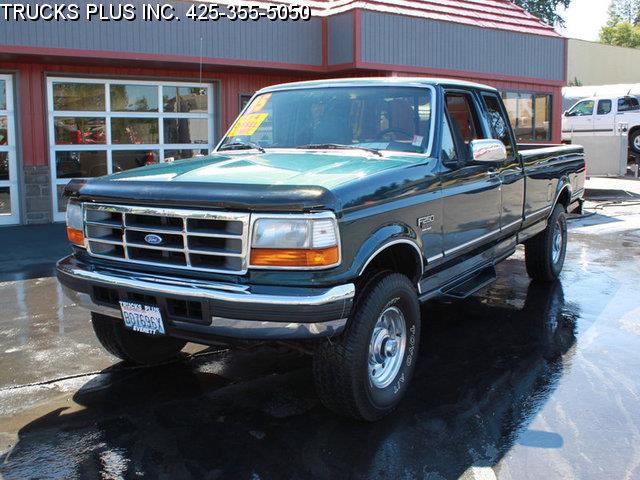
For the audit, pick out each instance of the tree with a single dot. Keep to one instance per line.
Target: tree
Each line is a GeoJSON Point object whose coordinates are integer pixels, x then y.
{"type": "Point", "coordinates": [622, 11]}
{"type": "Point", "coordinates": [545, 10]}
{"type": "Point", "coordinates": [623, 27]}
{"type": "Point", "coordinates": [622, 34]}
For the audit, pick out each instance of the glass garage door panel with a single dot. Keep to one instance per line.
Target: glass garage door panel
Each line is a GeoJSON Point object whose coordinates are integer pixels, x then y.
{"type": "Point", "coordinates": [103, 126]}
{"type": "Point", "coordinates": [8, 174]}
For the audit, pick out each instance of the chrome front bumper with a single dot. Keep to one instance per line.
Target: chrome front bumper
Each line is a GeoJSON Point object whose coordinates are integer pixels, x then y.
{"type": "Point", "coordinates": [235, 311]}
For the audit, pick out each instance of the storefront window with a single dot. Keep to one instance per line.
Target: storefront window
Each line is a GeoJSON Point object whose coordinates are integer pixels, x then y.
{"type": "Point", "coordinates": [118, 125]}
{"type": "Point", "coordinates": [184, 99]}
{"type": "Point", "coordinates": [135, 131]}
{"type": "Point", "coordinates": [79, 97]}
{"type": "Point", "coordinates": [81, 164]}
{"type": "Point", "coordinates": [182, 154]}
{"type": "Point", "coordinates": [4, 133]}
{"type": "Point", "coordinates": [185, 130]}
{"type": "Point", "coordinates": [79, 130]}
{"type": "Point", "coordinates": [5, 200]}
{"type": "Point", "coordinates": [530, 115]}
{"type": "Point", "coordinates": [134, 98]}
{"type": "Point", "coordinates": [128, 159]}
{"type": "Point", "coordinates": [4, 166]}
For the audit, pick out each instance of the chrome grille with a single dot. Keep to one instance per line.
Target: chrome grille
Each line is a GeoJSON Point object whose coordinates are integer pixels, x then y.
{"type": "Point", "coordinates": [188, 239]}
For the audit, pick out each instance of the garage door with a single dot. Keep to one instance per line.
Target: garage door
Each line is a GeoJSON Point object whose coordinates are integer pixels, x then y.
{"type": "Point", "coordinates": [99, 126]}
{"type": "Point", "coordinates": [8, 171]}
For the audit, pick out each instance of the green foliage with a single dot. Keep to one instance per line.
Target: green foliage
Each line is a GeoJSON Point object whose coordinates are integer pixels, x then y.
{"type": "Point", "coordinates": [575, 82]}
{"type": "Point", "coordinates": [623, 27]}
{"type": "Point", "coordinates": [622, 34]}
{"type": "Point", "coordinates": [545, 10]}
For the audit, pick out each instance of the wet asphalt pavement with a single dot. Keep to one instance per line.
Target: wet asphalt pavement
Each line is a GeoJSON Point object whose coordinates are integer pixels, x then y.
{"type": "Point", "coordinates": [520, 381]}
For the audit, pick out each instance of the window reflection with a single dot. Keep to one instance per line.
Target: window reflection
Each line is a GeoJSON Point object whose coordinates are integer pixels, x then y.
{"type": "Point", "coordinates": [3, 95]}
{"type": "Point", "coordinates": [4, 166]}
{"type": "Point", "coordinates": [81, 164]}
{"type": "Point", "coordinates": [79, 130]}
{"type": "Point", "coordinates": [183, 154]}
{"type": "Point", "coordinates": [185, 99]}
{"type": "Point", "coordinates": [128, 159]}
{"type": "Point", "coordinates": [134, 130]}
{"type": "Point", "coordinates": [80, 97]}
{"type": "Point", "coordinates": [5, 201]}
{"type": "Point", "coordinates": [134, 98]}
{"type": "Point", "coordinates": [4, 132]}
{"type": "Point", "coordinates": [186, 130]}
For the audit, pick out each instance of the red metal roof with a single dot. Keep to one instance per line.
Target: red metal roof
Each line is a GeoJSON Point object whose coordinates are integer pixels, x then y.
{"type": "Point", "coordinates": [498, 14]}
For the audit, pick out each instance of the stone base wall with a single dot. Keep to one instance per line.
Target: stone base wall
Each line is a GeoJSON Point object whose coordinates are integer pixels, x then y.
{"type": "Point", "coordinates": [37, 195]}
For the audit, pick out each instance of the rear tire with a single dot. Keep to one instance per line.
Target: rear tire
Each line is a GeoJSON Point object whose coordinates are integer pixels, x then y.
{"type": "Point", "coordinates": [634, 141]}
{"type": "Point", "coordinates": [545, 253]}
{"type": "Point", "coordinates": [131, 346]}
{"type": "Point", "coordinates": [364, 373]}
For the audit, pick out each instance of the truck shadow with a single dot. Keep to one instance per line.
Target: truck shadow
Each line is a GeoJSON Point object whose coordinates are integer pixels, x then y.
{"type": "Point", "coordinates": [487, 366]}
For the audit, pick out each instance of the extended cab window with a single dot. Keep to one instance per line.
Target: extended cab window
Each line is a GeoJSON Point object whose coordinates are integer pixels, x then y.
{"type": "Point", "coordinates": [382, 118]}
{"type": "Point", "coordinates": [604, 107]}
{"type": "Point", "coordinates": [582, 109]}
{"type": "Point", "coordinates": [628, 104]}
{"type": "Point", "coordinates": [498, 121]}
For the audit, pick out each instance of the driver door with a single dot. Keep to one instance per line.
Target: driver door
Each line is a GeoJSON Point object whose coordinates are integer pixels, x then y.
{"type": "Point", "coordinates": [471, 191]}
{"type": "Point", "coordinates": [579, 120]}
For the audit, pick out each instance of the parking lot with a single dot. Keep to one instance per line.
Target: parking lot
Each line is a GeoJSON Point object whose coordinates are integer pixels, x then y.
{"type": "Point", "coordinates": [519, 381]}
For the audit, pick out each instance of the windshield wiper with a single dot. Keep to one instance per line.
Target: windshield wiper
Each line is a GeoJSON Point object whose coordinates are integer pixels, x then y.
{"type": "Point", "coordinates": [338, 146]}
{"type": "Point", "coordinates": [242, 146]}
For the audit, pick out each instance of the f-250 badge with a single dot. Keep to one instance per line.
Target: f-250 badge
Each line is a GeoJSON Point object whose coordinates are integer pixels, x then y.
{"type": "Point", "coordinates": [426, 223]}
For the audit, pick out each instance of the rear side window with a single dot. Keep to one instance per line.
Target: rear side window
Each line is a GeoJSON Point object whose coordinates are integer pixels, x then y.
{"type": "Point", "coordinates": [604, 107]}
{"type": "Point", "coordinates": [628, 104]}
{"type": "Point", "coordinates": [498, 121]}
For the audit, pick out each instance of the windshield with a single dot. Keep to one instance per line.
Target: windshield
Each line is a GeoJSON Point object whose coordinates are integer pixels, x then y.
{"type": "Point", "coordinates": [377, 118]}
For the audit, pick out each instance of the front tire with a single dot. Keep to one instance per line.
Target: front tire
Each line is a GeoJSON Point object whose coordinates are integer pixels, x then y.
{"type": "Point", "coordinates": [545, 253]}
{"type": "Point", "coordinates": [131, 346]}
{"type": "Point", "coordinates": [365, 373]}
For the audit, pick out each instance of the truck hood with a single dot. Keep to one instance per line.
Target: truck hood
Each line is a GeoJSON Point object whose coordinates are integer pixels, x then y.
{"type": "Point", "coordinates": [279, 180]}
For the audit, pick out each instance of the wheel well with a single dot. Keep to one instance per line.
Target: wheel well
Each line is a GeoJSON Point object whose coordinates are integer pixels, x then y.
{"type": "Point", "coordinates": [564, 198]}
{"type": "Point", "coordinates": [400, 258]}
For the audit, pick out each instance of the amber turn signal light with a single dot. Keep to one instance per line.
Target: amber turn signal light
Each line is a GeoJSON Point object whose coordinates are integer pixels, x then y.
{"type": "Point", "coordinates": [75, 236]}
{"type": "Point", "coordinates": [273, 257]}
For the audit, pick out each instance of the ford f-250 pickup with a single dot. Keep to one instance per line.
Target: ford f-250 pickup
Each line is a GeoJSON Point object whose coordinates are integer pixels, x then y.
{"type": "Point", "coordinates": [328, 212]}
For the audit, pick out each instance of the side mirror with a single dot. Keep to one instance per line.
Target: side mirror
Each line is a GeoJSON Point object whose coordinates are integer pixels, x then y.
{"type": "Point", "coordinates": [566, 113]}
{"type": "Point", "coordinates": [488, 151]}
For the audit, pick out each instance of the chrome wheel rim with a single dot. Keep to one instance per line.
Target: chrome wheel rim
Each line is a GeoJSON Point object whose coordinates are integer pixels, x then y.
{"type": "Point", "coordinates": [386, 347]}
{"type": "Point", "coordinates": [636, 142]}
{"type": "Point", "coordinates": [558, 239]}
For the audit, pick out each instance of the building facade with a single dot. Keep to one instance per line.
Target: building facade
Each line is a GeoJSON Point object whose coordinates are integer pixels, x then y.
{"type": "Point", "coordinates": [86, 98]}
{"type": "Point", "coordinates": [592, 63]}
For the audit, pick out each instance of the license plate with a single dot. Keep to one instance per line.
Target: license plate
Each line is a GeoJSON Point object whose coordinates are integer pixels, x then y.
{"type": "Point", "coordinates": [142, 318]}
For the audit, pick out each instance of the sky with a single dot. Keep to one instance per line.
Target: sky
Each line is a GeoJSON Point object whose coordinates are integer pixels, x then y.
{"type": "Point", "coordinates": [585, 18]}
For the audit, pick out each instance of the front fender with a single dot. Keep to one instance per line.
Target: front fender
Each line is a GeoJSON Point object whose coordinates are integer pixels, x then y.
{"type": "Point", "coordinates": [381, 239]}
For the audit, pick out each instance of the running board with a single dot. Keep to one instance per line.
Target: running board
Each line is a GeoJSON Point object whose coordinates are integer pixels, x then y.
{"type": "Point", "coordinates": [471, 285]}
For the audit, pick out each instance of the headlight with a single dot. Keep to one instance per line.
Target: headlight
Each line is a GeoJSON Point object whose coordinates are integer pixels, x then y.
{"type": "Point", "coordinates": [305, 241]}
{"type": "Point", "coordinates": [75, 232]}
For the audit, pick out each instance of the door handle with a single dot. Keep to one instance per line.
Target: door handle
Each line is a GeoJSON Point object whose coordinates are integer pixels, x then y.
{"type": "Point", "coordinates": [493, 172]}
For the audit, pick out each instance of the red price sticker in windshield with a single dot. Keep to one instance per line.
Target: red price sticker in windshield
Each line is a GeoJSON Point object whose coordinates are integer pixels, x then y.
{"type": "Point", "coordinates": [248, 124]}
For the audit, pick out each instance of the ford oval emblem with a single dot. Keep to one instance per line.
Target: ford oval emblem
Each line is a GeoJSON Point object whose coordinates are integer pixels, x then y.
{"type": "Point", "coordinates": [153, 239]}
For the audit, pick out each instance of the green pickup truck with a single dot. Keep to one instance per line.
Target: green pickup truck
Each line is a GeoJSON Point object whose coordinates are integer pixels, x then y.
{"type": "Point", "coordinates": [328, 212]}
